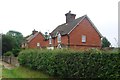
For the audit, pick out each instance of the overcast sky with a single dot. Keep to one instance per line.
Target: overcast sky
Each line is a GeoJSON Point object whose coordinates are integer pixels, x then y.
{"type": "Point", "coordinates": [46, 15]}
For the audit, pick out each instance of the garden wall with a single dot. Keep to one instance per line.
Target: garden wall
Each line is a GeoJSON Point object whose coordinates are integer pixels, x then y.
{"type": "Point", "coordinates": [11, 60]}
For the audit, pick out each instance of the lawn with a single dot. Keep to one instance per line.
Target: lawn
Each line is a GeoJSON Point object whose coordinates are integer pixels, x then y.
{"type": "Point", "coordinates": [22, 72]}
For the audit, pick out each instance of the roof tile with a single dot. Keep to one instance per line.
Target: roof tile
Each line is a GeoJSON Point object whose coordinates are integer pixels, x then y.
{"type": "Point", "coordinates": [66, 27]}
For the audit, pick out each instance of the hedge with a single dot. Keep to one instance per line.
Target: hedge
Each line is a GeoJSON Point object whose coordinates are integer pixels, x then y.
{"type": "Point", "coordinates": [73, 64]}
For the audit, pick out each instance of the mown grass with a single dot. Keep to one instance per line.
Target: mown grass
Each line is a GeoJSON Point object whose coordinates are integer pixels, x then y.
{"type": "Point", "coordinates": [22, 72]}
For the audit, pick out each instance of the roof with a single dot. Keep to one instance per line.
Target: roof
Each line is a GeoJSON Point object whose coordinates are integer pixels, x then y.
{"type": "Point", "coordinates": [66, 28]}
{"type": "Point", "coordinates": [29, 38]}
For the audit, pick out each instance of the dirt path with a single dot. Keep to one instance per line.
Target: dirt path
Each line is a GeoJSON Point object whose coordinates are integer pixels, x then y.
{"type": "Point", "coordinates": [6, 65]}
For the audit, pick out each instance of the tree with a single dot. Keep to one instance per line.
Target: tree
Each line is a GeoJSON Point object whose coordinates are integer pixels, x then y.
{"type": "Point", "coordinates": [8, 43]}
{"type": "Point", "coordinates": [105, 42]}
{"type": "Point", "coordinates": [12, 42]}
{"type": "Point", "coordinates": [46, 35]}
{"type": "Point", "coordinates": [17, 36]}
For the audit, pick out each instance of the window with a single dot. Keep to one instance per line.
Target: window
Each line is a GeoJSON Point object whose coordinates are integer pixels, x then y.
{"type": "Point", "coordinates": [59, 38]}
{"type": "Point", "coordinates": [83, 38]}
{"type": "Point", "coordinates": [50, 40]}
{"type": "Point", "coordinates": [38, 44]}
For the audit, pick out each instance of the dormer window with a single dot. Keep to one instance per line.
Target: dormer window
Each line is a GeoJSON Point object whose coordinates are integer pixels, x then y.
{"type": "Point", "coordinates": [50, 40]}
{"type": "Point", "coordinates": [56, 34]}
{"type": "Point", "coordinates": [59, 38]}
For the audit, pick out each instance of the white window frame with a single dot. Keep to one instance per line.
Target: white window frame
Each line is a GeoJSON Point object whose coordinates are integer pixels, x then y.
{"type": "Point", "coordinates": [83, 38]}
{"type": "Point", "coordinates": [50, 40]}
{"type": "Point", "coordinates": [38, 44]}
{"type": "Point", "coordinates": [59, 38]}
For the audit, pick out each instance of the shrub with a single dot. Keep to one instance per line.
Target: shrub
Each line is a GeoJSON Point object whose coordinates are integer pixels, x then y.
{"type": "Point", "coordinates": [16, 52]}
{"type": "Point", "coordinates": [73, 64]}
{"type": "Point", "coordinates": [9, 53]}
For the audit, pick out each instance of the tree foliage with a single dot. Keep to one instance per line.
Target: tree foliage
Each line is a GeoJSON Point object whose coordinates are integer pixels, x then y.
{"type": "Point", "coordinates": [18, 37]}
{"type": "Point", "coordinates": [8, 43]}
{"type": "Point", "coordinates": [105, 42]}
{"type": "Point", "coordinates": [11, 41]}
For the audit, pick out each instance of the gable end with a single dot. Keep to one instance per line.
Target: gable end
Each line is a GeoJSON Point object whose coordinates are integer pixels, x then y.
{"type": "Point", "coordinates": [94, 26]}
{"type": "Point", "coordinates": [76, 25]}
{"type": "Point", "coordinates": [85, 16]}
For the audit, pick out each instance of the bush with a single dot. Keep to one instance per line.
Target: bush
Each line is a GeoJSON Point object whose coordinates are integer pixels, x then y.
{"type": "Point", "coordinates": [73, 64]}
{"type": "Point", "coordinates": [9, 53]}
{"type": "Point", "coordinates": [16, 52]}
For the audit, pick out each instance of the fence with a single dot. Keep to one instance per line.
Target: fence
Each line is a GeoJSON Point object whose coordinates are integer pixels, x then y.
{"type": "Point", "coordinates": [11, 60]}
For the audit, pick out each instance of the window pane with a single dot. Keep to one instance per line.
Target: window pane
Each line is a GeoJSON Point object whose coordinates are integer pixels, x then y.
{"type": "Point", "coordinates": [83, 38]}
{"type": "Point", "coordinates": [59, 38]}
{"type": "Point", "coordinates": [50, 40]}
{"type": "Point", "coordinates": [38, 44]}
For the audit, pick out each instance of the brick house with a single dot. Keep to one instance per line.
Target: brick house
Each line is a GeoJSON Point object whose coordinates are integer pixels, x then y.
{"type": "Point", "coordinates": [75, 33]}
{"type": "Point", "coordinates": [35, 40]}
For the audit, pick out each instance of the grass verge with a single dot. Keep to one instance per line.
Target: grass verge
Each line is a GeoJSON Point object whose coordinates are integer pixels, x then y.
{"type": "Point", "coordinates": [22, 72]}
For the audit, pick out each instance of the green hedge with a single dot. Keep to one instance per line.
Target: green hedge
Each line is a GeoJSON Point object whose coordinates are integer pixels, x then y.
{"type": "Point", "coordinates": [72, 64]}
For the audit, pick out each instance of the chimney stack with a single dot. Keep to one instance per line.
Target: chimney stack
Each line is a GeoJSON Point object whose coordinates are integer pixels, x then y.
{"type": "Point", "coordinates": [34, 32]}
{"type": "Point", "coordinates": [69, 17]}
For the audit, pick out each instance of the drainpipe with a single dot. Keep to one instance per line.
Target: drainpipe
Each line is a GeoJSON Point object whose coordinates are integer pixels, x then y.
{"type": "Point", "coordinates": [68, 40]}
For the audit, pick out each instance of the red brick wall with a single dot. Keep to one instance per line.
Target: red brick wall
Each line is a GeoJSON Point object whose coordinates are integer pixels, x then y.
{"type": "Point", "coordinates": [46, 43]}
{"type": "Point", "coordinates": [85, 28]}
{"type": "Point", "coordinates": [38, 39]}
{"type": "Point", "coordinates": [64, 40]}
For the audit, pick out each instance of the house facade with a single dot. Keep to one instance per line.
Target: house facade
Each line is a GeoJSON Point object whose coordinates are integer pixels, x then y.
{"type": "Point", "coordinates": [77, 33]}
{"type": "Point", "coordinates": [35, 40]}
